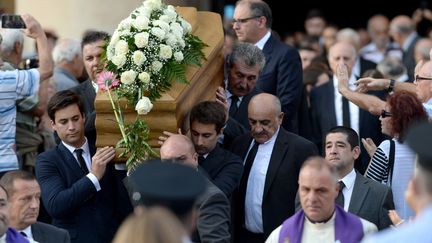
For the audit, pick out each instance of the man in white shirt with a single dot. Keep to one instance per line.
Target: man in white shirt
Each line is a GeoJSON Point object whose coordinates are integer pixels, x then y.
{"type": "Point", "coordinates": [362, 196]}
{"type": "Point", "coordinates": [320, 220]}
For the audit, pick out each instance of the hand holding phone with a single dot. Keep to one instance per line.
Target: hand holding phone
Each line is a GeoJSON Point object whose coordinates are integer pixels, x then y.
{"type": "Point", "coordinates": [11, 21]}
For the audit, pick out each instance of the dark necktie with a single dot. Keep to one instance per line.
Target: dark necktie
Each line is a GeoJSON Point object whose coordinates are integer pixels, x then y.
{"type": "Point", "coordinates": [200, 159]}
{"type": "Point", "coordinates": [233, 108]}
{"type": "Point", "coordinates": [23, 234]}
{"type": "Point", "coordinates": [247, 168]}
{"type": "Point", "coordinates": [340, 198]}
{"type": "Point", "coordinates": [81, 161]}
{"type": "Point", "coordinates": [345, 112]}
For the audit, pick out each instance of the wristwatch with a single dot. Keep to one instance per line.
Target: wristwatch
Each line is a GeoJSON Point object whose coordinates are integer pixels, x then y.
{"type": "Point", "coordinates": [391, 86]}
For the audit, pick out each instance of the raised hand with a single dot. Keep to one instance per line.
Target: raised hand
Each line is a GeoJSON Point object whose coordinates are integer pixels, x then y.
{"type": "Point", "coordinates": [222, 99]}
{"type": "Point", "coordinates": [366, 84]}
{"type": "Point", "coordinates": [342, 76]}
{"type": "Point", "coordinates": [166, 135]}
{"type": "Point", "coordinates": [369, 145]}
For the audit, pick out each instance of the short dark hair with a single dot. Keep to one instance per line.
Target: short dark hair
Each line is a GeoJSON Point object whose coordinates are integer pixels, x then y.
{"type": "Point", "coordinates": [9, 178]}
{"type": "Point", "coordinates": [352, 136]}
{"type": "Point", "coordinates": [61, 100]}
{"type": "Point", "coordinates": [91, 36]}
{"type": "Point", "coordinates": [209, 112]}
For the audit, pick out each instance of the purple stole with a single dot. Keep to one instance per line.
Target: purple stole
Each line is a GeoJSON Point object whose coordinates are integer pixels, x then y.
{"type": "Point", "coordinates": [348, 227]}
{"type": "Point", "coordinates": [12, 236]}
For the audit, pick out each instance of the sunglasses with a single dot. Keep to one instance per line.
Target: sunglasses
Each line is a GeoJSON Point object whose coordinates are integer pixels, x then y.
{"type": "Point", "coordinates": [385, 114]}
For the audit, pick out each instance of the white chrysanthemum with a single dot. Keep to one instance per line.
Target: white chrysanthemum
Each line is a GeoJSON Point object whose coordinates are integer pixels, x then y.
{"type": "Point", "coordinates": [144, 77]}
{"type": "Point", "coordinates": [171, 12]}
{"type": "Point", "coordinates": [156, 66]}
{"type": "Point", "coordinates": [165, 51]}
{"type": "Point", "coordinates": [114, 38]}
{"type": "Point", "coordinates": [141, 39]}
{"type": "Point", "coordinates": [165, 18]}
{"type": "Point", "coordinates": [178, 56]}
{"type": "Point", "coordinates": [110, 52]}
{"type": "Point", "coordinates": [121, 48]}
{"type": "Point", "coordinates": [158, 32]}
{"type": "Point", "coordinates": [141, 22]}
{"type": "Point", "coordinates": [181, 43]}
{"type": "Point", "coordinates": [186, 26]}
{"type": "Point", "coordinates": [119, 60]}
{"type": "Point", "coordinates": [176, 29]}
{"type": "Point", "coordinates": [171, 40]}
{"type": "Point", "coordinates": [143, 106]}
{"type": "Point", "coordinates": [128, 77]}
{"type": "Point", "coordinates": [138, 58]}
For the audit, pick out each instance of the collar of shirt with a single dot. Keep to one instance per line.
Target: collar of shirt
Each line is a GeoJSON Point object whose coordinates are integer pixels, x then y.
{"type": "Point", "coordinates": [84, 147]}
{"type": "Point", "coordinates": [408, 41]}
{"type": "Point", "coordinates": [349, 180]}
{"type": "Point", "coordinates": [3, 238]}
{"type": "Point", "coordinates": [260, 44]}
{"type": "Point", "coordinates": [95, 86]}
{"type": "Point", "coordinates": [28, 232]}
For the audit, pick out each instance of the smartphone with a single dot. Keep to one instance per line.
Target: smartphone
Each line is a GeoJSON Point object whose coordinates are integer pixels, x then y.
{"type": "Point", "coordinates": [11, 21]}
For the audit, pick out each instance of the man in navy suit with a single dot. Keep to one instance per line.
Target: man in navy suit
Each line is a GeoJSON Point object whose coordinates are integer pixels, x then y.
{"type": "Point", "coordinates": [81, 191]}
{"type": "Point", "coordinates": [24, 201]}
{"type": "Point", "coordinates": [273, 158]}
{"type": "Point", "coordinates": [282, 74]}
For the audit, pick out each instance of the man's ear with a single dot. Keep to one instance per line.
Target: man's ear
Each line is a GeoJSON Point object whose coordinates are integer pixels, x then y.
{"type": "Point", "coordinates": [53, 125]}
{"type": "Point", "coordinates": [356, 152]}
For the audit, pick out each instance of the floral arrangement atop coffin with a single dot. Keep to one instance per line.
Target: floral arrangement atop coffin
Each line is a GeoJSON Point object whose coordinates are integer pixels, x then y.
{"type": "Point", "coordinates": [149, 50]}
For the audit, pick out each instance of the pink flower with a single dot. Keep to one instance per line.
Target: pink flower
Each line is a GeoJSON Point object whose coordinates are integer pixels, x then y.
{"type": "Point", "coordinates": [107, 78]}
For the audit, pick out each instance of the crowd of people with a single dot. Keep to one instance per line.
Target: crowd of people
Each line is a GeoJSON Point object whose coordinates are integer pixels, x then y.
{"type": "Point", "coordinates": [324, 137]}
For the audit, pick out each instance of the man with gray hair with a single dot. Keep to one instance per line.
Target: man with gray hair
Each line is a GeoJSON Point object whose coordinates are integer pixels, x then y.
{"type": "Point", "coordinates": [244, 66]}
{"type": "Point", "coordinates": [69, 65]}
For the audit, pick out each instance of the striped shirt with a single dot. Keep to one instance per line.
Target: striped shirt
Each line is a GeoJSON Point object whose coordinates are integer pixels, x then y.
{"type": "Point", "coordinates": [403, 168]}
{"type": "Point", "coordinates": [14, 85]}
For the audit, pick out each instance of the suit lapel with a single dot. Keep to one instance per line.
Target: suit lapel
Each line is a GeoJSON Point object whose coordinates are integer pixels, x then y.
{"type": "Point", "coordinates": [331, 102]}
{"type": "Point", "coordinates": [359, 193]}
{"type": "Point", "coordinates": [70, 160]}
{"type": "Point", "coordinates": [275, 159]}
{"type": "Point", "coordinates": [37, 234]}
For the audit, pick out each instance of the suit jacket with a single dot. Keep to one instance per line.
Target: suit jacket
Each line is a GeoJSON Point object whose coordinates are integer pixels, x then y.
{"type": "Point", "coordinates": [224, 169]}
{"type": "Point", "coordinates": [213, 224]}
{"type": "Point", "coordinates": [88, 94]}
{"type": "Point", "coordinates": [289, 153]}
{"type": "Point", "coordinates": [371, 200]}
{"type": "Point", "coordinates": [323, 118]}
{"type": "Point", "coordinates": [283, 76]}
{"type": "Point", "coordinates": [72, 201]}
{"type": "Point", "coordinates": [47, 233]}
{"type": "Point", "coordinates": [239, 123]}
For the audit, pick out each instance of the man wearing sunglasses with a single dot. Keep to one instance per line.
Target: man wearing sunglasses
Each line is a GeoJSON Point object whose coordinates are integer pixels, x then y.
{"type": "Point", "coordinates": [422, 85]}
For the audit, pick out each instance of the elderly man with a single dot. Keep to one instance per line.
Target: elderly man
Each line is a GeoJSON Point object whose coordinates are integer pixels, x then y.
{"type": "Point", "coordinates": [213, 222]}
{"type": "Point", "coordinates": [24, 201]}
{"type": "Point", "coordinates": [15, 85]}
{"type": "Point", "coordinates": [7, 235]}
{"type": "Point", "coordinates": [320, 220]}
{"type": "Point", "coordinates": [272, 158]}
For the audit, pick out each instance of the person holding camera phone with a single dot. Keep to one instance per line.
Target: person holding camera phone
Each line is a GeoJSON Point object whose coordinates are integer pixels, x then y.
{"type": "Point", "coordinates": [17, 84]}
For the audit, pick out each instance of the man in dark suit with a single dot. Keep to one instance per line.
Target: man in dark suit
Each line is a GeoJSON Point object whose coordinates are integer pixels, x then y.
{"type": "Point", "coordinates": [213, 222]}
{"type": "Point", "coordinates": [327, 106]}
{"type": "Point", "coordinates": [24, 200]}
{"type": "Point", "coordinates": [81, 191]}
{"type": "Point", "coordinates": [272, 158]}
{"type": "Point", "coordinates": [243, 66]}
{"type": "Point", "coordinates": [224, 168]}
{"type": "Point", "coordinates": [92, 48]}
{"type": "Point", "coordinates": [361, 196]}
{"type": "Point", "coordinates": [282, 74]}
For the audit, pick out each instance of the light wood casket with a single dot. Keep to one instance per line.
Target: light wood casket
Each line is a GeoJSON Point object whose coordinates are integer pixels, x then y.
{"type": "Point", "coordinates": [172, 109]}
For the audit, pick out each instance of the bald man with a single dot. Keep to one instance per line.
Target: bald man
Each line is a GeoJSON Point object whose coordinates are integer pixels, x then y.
{"type": "Point", "coordinates": [269, 183]}
{"type": "Point", "coordinates": [213, 223]}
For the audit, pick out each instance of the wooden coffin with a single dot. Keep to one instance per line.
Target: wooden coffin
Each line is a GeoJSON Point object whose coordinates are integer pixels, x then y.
{"type": "Point", "coordinates": [172, 109]}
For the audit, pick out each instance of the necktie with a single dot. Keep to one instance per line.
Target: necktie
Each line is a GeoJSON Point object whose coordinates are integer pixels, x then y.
{"type": "Point", "coordinates": [23, 234]}
{"type": "Point", "coordinates": [233, 108]}
{"type": "Point", "coordinates": [200, 159]}
{"type": "Point", "coordinates": [81, 160]}
{"type": "Point", "coordinates": [345, 113]}
{"type": "Point", "coordinates": [247, 168]}
{"type": "Point", "coordinates": [340, 198]}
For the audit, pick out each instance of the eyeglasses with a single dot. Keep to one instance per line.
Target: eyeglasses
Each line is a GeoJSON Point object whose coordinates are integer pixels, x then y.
{"type": "Point", "coordinates": [242, 21]}
{"type": "Point", "coordinates": [385, 114]}
{"type": "Point", "coordinates": [418, 78]}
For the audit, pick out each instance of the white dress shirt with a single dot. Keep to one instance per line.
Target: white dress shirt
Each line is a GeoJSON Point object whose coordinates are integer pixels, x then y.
{"type": "Point", "coordinates": [347, 191]}
{"type": "Point", "coordinates": [260, 44]}
{"type": "Point", "coordinates": [28, 232]}
{"type": "Point", "coordinates": [87, 158]}
{"type": "Point", "coordinates": [353, 109]}
{"type": "Point", "coordinates": [255, 185]}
